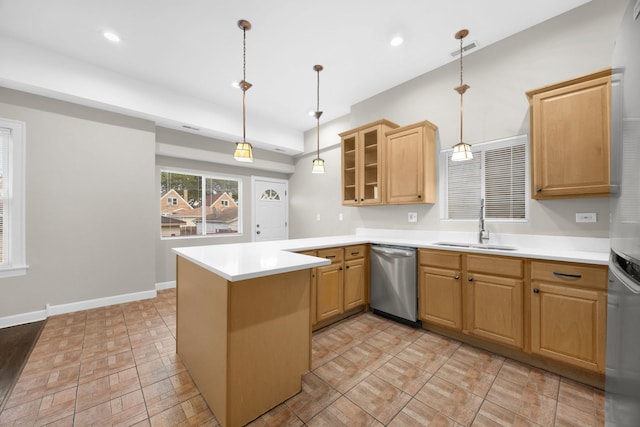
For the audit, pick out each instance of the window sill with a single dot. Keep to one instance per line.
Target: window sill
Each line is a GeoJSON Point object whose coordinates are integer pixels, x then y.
{"type": "Point", "coordinates": [12, 271]}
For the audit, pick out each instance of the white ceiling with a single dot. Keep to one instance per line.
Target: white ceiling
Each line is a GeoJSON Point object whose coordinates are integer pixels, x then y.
{"type": "Point", "coordinates": [177, 59]}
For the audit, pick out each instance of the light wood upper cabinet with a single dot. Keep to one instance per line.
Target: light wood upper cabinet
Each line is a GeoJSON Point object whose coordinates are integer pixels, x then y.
{"type": "Point", "coordinates": [568, 313]}
{"type": "Point", "coordinates": [570, 138]}
{"type": "Point", "coordinates": [410, 169]}
{"type": "Point", "coordinates": [363, 163]}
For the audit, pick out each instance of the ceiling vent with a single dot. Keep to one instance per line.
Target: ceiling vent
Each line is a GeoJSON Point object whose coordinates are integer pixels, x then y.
{"type": "Point", "coordinates": [465, 48]}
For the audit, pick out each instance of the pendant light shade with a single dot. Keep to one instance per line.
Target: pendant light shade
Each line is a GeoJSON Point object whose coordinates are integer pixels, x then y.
{"type": "Point", "coordinates": [318, 163]}
{"type": "Point", "coordinates": [244, 150]}
{"type": "Point", "coordinates": [462, 150]}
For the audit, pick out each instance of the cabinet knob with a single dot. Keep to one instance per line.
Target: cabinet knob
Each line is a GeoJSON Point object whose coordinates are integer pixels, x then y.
{"type": "Point", "coordinates": [536, 290]}
{"type": "Point", "coordinates": [347, 266]}
{"type": "Point", "coordinates": [355, 200]}
{"type": "Point", "coordinates": [340, 269]}
{"type": "Point", "coordinates": [362, 200]}
{"type": "Point", "coordinates": [538, 189]}
{"type": "Point", "coordinates": [419, 196]}
{"type": "Point", "coordinates": [457, 277]}
{"type": "Point", "coordinates": [470, 279]}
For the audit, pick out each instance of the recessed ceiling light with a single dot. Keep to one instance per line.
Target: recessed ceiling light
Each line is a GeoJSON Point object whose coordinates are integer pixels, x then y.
{"type": "Point", "coordinates": [396, 41]}
{"type": "Point", "coordinates": [112, 37]}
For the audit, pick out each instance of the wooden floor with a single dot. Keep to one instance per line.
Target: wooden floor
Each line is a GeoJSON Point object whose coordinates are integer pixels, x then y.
{"type": "Point", "coordinates": [16, 343]}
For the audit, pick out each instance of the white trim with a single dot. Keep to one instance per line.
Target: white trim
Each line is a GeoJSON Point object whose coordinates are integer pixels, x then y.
{"type": "Point", "coordinates": [22, 318]}
{"type": "Point", "coordinates": [165, 285]}
{"type": "Point", "coordinates": [53, 310]}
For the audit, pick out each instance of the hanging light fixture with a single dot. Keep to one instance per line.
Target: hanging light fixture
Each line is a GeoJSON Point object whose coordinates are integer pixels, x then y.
{"type": "Point", "coordinates": [462, 150]}
{"type": "Point", "coordinates": [244, 151]}
{"type": "Point", "coordinates": [318, 163]}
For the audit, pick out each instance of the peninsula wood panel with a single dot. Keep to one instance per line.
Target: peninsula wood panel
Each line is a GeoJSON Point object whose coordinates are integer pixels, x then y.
{"type": "Point", "coordinates": [246, 344]}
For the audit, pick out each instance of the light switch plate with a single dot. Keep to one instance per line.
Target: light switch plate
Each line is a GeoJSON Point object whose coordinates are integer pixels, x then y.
{"type": "Point", "coordinates": [586, 217]}
{"type": "Point", "coordinates": [412, 217]}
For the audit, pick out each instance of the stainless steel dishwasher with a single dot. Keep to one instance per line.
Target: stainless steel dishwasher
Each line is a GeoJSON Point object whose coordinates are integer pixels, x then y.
{"type": "Point", "coordinates": [394, 284]}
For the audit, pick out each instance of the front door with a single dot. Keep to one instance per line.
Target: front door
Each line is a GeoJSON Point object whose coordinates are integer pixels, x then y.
{"type": "Point", "coordinates": [271, 206]}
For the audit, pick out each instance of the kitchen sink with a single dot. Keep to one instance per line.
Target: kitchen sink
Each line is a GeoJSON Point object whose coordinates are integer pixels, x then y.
{"type": "Point", "coordinates": [477, 246]}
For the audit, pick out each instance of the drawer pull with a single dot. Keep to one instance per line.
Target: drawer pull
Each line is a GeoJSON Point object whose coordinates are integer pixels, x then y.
{"type": "Point", "coordinates": [330, 256]}
{"type": "Point", "coordinates": [536, 290]}
{"type": "Point", "coordinates": [355, 253]}
{"type": "Point", "coordinates": [567, 275]}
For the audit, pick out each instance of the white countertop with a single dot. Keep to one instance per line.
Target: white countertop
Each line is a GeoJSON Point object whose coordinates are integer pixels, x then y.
{"type": "Point", "coordinates": [241, 261]}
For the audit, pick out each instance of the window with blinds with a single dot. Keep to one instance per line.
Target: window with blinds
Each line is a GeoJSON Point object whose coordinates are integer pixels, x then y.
{"type": "Point", "coordinates": [497, 173]}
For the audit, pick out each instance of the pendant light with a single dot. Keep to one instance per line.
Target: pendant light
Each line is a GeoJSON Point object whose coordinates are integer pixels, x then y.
{"type": "Point", "coordinates": [462, 150]}
{"type": "Point", "coordinates": [318, 163]}
{"type": "Point", "coordinates": [244, 151]}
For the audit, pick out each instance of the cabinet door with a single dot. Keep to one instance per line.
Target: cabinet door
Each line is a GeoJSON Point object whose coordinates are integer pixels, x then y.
{"type": "Point", "coordinates": [570, 138]}
{"type": "Point", "coordinates": [495, 308]}
{"type": "Point", "coordinates": [354, 283]}
{"type": "Point", "coordinates": [440, 297]}
{"type": "Point", "coordinates": [371, 165]}
{"type": "Point", "coordinates": [329, 291]}
{"type": "Point", "coordinates": [405, 166]}
{"type": "Point", "coordinates": [569, 324]}
{"type": "Point", "coordinates": [350, 175]}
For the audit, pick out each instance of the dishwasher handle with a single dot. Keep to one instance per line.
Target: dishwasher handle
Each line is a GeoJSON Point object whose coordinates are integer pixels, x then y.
{"type": "Point", "coordinates": [394, 251]}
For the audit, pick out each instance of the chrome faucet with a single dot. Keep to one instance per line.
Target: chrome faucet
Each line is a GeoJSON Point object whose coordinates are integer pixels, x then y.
{"type": "Point", "coordinates": [483, 235]}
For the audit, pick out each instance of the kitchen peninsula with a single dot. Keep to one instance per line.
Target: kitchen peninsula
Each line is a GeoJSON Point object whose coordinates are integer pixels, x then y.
{"type": "Point", "coordinates": [243, 310]}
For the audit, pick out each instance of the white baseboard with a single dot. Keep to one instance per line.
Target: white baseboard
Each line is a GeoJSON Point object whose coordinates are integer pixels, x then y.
{"type": "Point", "coordinates": [165, 285]}
{"type": "Point", "coordinates": [52, 310]}
{"type": "Point", "coordinates": [21, 319]}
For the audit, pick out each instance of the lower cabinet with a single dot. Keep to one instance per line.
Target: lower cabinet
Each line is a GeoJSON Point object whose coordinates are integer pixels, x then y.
{"type": "Point", "coordinates": [568, 313]}
{"type": "Point", "coordinates": [487, 297]}
{"type": "Point", "coordinates": [494, 299]}
{"type": "Point", "coordinates": [341, 286]}
{"type": "Point", "coordinates": [440, 290]}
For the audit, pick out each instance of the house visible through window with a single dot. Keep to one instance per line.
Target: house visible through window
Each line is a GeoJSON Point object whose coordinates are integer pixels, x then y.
{"type": "Point", "coordinates": [497, 174]}
{"type": "Point", "coordinates": [199, 205]}
{"type": "Point", "coordinates": [12, 205]}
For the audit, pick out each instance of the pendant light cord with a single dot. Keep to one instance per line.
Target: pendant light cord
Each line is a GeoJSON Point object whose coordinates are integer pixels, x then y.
{"type": "Point", "coordinates": [244, 79]}
{"type": "Point", "coordinates": [461, 92]}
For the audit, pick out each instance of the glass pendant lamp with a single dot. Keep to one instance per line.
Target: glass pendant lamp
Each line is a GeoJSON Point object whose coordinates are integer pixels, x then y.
{"type": "Point", "coordinates": [244, 150]}
{"type": "Point", "coordinates": [462, 150]}
{"type": "Point", "coordinates": [318, 163]}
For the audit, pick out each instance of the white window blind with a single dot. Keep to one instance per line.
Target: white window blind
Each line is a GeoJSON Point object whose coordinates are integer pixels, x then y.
{"type": "Point", "coordinates": [497, 173]}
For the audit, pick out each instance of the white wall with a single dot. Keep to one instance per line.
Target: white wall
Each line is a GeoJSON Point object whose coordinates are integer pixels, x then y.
{"type": "Point", "coordinates": [576, 43]}
{"type": "Point", "coordinates": [91, 210]}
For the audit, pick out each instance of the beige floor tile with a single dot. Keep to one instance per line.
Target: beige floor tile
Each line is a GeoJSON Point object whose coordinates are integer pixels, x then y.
{"type": "Point", "coordinates": [523, 401]}
{"type": "Point", "coordinates": [56, 406]}
{"type": "Point", "coordinates": [437, 343]}
{"type": "Point", "coordinates": [343, 412]}
{"type": "Point", "coordinates": [335, 340]}
{"type": "Point", "coordinates": [455, 402]}
{"type": "Point", "coordinates": [341, 374]}
{"type": "Point", "coordinates": [367, 356]}
{"type": "Point", "coordinates": [379, 398]}
{"type": "Point", "coordinates": [403, 375]}
{"type": "Point", "coordinates": [537, 380]}
{"type": "Point", "coordinates": [422, 357]}
{"type": "Point", "coordinates": [389, 342]}
{"type": "Point", "coordinates": [417, 414]}
{"type": "Point", "coordinates": [320, 354]}
{"type": "Point", "coordinates": [313, 398]}
{"type": "Point", "coordinates": [574, 396]}
{"type": "Point", "coordinates": [466, 376]}
{"type": "Point", "coordinates": [280, 416]}
{"type": "Point", "coordinates": [479, 359]}
{"type": "Point", "coordinates": [491, 415]}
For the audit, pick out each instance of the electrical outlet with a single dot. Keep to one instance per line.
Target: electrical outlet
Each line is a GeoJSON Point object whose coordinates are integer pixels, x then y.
{"type": "Point", "coordinates": [412, 217]}
{"type": "Point", "coordinates": [586, 217]}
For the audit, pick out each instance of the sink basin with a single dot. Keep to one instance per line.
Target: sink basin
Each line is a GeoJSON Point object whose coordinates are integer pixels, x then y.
{"type": "Point", "coordinates": [477, 246]}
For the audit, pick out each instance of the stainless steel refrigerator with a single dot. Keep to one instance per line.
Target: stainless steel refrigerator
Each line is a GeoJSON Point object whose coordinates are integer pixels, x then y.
{"type": "Point", "coordinates": [622, 383]}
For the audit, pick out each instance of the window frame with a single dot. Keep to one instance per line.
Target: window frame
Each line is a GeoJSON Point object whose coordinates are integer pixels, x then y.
{"type": "Point", "coordinates": [479, 149]}
{"type": "Point", "coordinates": [14, 195]}
{"type": "Point", "coordinates": [204, 175]}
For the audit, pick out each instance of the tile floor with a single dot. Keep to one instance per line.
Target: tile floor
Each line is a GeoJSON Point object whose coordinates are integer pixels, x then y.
{"type": "Point", "coordinates": [117, 366]}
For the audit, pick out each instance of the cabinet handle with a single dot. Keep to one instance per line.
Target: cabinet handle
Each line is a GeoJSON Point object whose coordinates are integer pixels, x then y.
{"type": "Point", "coordinates": [419, 196]}
{"type": "Point", "coordinates": [538, 189]}
{"type": "Point", "coordinates": [536, 290]}
{"type": "Point", "coordinates": [470, 279]}
{"type": "Point", "coordinates": [347, 266]}
{"type": "Point", "coordinates": [330, 256]}
{"type": "Point", "coordinates": [340, 269]}
{"type": "Point", "coordinates": [354, 253]}
{"type": "Point", "coordinates": [567, 275]}
{"type": "Point", "coordinates": [362, 200]}
{"type": "Point", "coordinates": [457, 277]}
{"type": "Point", "coordinates": [355, 200]}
